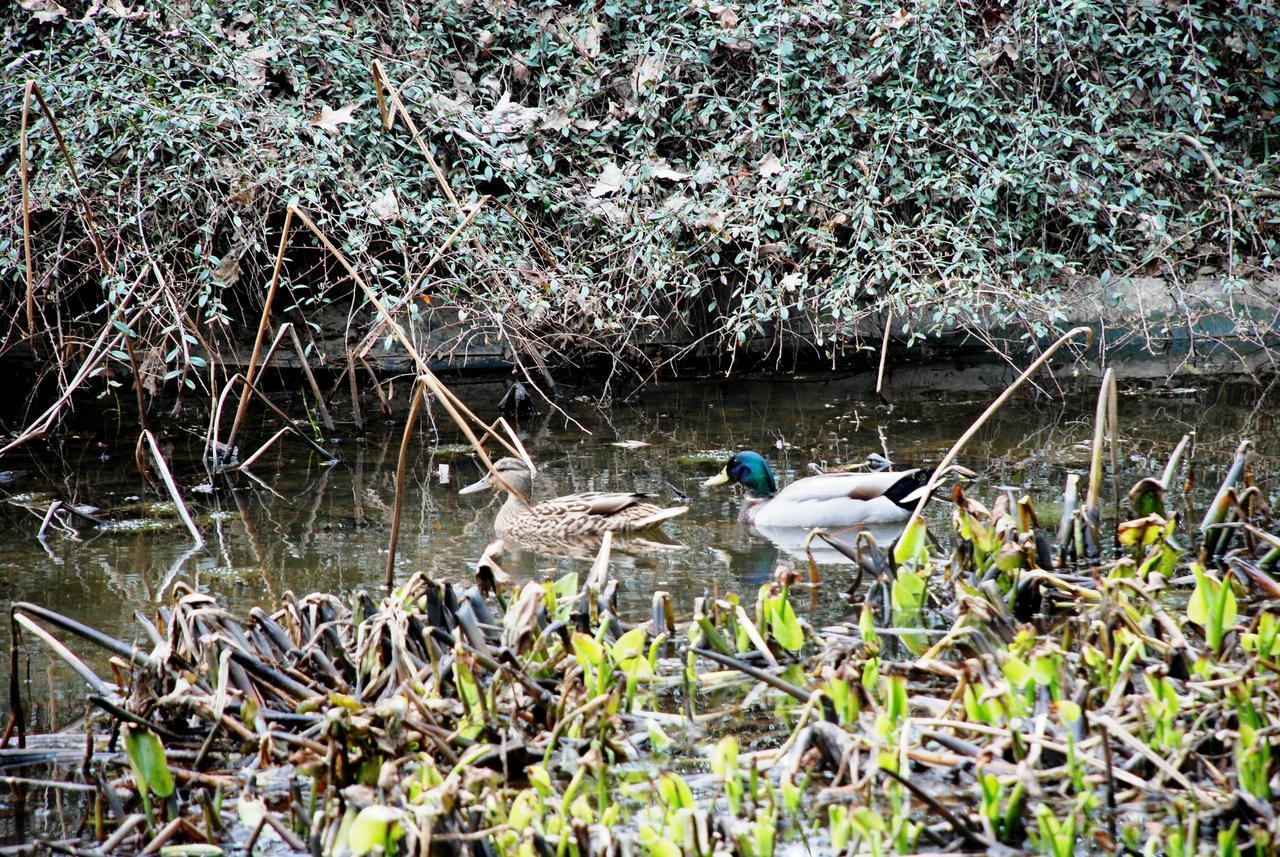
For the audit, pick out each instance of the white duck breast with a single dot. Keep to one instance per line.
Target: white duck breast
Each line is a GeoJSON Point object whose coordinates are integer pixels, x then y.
{"type": "Point", "coordinates": [838, 500]}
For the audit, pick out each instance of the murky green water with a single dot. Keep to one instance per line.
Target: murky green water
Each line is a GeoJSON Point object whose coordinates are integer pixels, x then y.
{"type": "Point", "coordinates": [302, 525]}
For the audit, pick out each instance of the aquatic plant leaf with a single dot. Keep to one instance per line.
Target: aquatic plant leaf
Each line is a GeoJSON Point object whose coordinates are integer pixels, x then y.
{"type": "Point", "coordinates": [147, 759]}
{"type": "Point", "coordinates": [724, 758]}
{"type": "Point", "coordinates": [629, 645]}
{"type": "Point", "coordinates": [1142, 531]}
{"type": "Point", "coordinates": [911, 546]}
{"type": "Point", "coordinates": [658, 740]}
{"type": "Point", "coordinates": [786, 627]}
{"type": "Point", "coordinates": [1212, 605]}
{"type": "Point", "coordinates": [375, 827]}
{"type": "Point", "coordinates": [1017, 672]}
{"type": "Point", "coordinates": [867, 820]}
{"type": "Point", "coordinates": [192, 849]}
{"type": "Point", "coordinates": [590, 654]}
{"type": "Point", "coordinates": [840, 826]}
{"type": "Point", "coordinates": [657, 845]}
{"type": "Point", "coordinates": [524, 810]}
{"type": "Point", "coordinates": [908, 590]}
{"type": "Point", "coordinates": [1044, 669]}
{"type": "Point", "coordinates": [1147, 497]}
{"type": "Point", "coordinates": [540, 780]}
{"type": "Point", "coordinates": [566, 586]}
{"type": "Point", "coordinates": [675, 792]}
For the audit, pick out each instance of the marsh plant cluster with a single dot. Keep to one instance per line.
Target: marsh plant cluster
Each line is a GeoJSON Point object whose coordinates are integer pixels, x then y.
{"type": "Point", "coordinates": [1015, 692]}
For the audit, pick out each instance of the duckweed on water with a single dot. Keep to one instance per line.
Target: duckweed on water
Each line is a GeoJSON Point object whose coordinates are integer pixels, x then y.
{"type": "Point", "coordinates": [1067, 706]}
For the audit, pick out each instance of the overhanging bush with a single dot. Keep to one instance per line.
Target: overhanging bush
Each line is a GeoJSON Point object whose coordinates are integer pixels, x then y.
{"type": "Point", "coordinates": [654, 167]}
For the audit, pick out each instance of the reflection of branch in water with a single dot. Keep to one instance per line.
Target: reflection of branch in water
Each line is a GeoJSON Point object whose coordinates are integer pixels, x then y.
{"type": "Point", "coordinates": [174, 568]}
{"type": "Point", "coordinates": [250, 530]}
{"type": "Point", "coordinates": [317, 492]}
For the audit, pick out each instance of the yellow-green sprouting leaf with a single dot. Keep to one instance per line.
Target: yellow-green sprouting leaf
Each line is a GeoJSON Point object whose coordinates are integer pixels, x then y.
{"type": "Point", "coordinates": [840, 826]}
{"type": "Point", "coordinates": [629, 645]}
{"type": "Point", "coordinates": [675, 792]}
{"type": "Point", "coordinates": [540, 780]}
{"type": "Point", "coordinates": [657, 845]}
{"type": "Point", "coordinates": [565, 586]}
{"type": "Point", "coordinates": [1143, 531]}
{"type": "Point", "coordinates": [524, 810]}
{"type": "Point", "coordinates": [588, 651]}
{"type": "Point", "coordinates": [582, 811]}
{"type": "Point", "coordinates": [724, 759]}
{"type": "Point", "coordinates": [1017, 672]}
{"type": "Point", "coordinates": [1044, 669]}
{"type": "Point", "coordinates": [868, 819]}
{"type": "Point", "coordinates": [786, 627]}
{"type": "Point", "coordinates": [911, 546]}
{"type": "Point", "coordinates": [375, 827]}
{"type": "Point", "coordinates": [147, 759]}
{"type": "Point", "coordinates": [658, 740]}
{"type": "Point", "coordinates": [908, 590]}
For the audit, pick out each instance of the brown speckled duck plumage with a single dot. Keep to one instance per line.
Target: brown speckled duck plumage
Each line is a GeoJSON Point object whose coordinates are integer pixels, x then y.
{"type": "Point", "coordinates": [585, 514]}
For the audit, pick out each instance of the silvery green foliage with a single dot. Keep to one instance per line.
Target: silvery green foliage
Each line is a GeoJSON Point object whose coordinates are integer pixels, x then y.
{"type": "Point", "coordinates": [739, 169]}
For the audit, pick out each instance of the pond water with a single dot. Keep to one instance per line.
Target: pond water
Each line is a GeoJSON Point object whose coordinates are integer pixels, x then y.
{"type": "Point", "coordinates": [304, 525]}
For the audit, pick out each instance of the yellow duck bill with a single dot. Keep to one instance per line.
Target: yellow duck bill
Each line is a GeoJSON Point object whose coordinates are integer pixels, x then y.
{"type": "Point", "coordinates": [719, 479]}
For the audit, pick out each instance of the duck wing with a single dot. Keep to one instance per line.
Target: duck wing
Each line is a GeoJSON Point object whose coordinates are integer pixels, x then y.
{"type": "Point", "coordinates": [841, 499]}
{"type": "Point", "coordinates": [595, 502]}
{"type": "Point", "coordinates": [601, 510]}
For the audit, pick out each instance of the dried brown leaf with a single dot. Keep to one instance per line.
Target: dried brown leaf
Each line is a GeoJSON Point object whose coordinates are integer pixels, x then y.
{"type": "Point", "coordinates": [331, 120]}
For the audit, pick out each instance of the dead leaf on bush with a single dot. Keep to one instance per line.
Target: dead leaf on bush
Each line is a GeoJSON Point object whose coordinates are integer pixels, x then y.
{"type": "Point", "coordinates": [610, 181]}
{"type": "Point", "coordinates": [726, 15]}
{"type": "Point", "coordinates": [898, 20]}
{"type": "Point", "coordinates": [228, 271]}
{"type": "Point", "coordinates": [660, 169]}
{"type": "Point", "coordinates": [520, 71]}
{"type": "Point", "coordinates": [647, 74]}
{"type": "Point", "coordinates": [386, 207]}
{"type": "Point", "coordinates": [330, 119]}
{"type": "Point", "coordinates": [587, 41]}
{"type": "Point", "coordinates": [769, 166]}
{"type": "Point", "coordinates": [44, 11]}
{"type": "Point", "coordinates": [252, 66]}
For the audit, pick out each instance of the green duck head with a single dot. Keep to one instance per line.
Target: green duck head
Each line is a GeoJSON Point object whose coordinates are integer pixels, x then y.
{"type": "Point", "coordinates": [751, 471]}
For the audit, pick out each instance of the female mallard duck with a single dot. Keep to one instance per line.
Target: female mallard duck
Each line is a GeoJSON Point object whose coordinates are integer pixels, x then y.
{"type": "Point", "coordinates": [828, 500]}
{"type": "Point", "coordinates": [585, 514]}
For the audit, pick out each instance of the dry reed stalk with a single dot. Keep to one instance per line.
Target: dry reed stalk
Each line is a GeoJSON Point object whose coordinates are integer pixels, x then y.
{"type": "Point", "coordinates": [452, 404]}
{"type": "Point", "coordinates": [325, 416]}
{"type": "Point", "coordinates": [258, 453]}
{"type": "Point", "coordinates": [97, 352]}
{"type": "Point", "coordinates": [31, 90]}
{"type": "Point", "coordinates": [402, 464]}
{"type": "Point", "coordinates": [371, 337]}
{"type": "Point", "coordinates": [380, 82]}
{"type": "Point", "coordinates": [353, 387]}
{"type": "Point", "coordinates": [884, 351]}
{"type": "Point", "coordinates": [940, 472]}
{"type": "Point", "coordinates": [251, 373]}
{"type": "Point", "coordinates": [1102, 422]}
{"type": "Point", "coordinates": [167, 477]}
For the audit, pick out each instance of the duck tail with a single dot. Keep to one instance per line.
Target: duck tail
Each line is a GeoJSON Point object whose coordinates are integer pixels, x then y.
{"type": "Point", "coordinates": [908, 490]}
{"type": "Point", "coordinates": [659, 516]}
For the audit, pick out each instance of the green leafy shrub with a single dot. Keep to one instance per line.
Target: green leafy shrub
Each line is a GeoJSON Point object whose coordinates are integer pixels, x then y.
{"type": "Point", "coordinates": [758, 169]}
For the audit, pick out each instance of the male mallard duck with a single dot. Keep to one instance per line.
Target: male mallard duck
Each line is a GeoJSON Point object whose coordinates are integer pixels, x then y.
{"type": "Point", "coordinates": [584, 514]}
{"type": "Point", "coordinates": [827, 500]}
